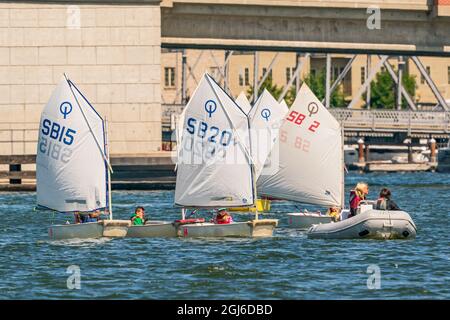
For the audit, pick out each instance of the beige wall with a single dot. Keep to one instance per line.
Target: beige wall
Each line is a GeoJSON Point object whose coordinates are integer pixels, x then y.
{"type": "Point", "coordinates": [113, 57]}
{"type": "Point", "coordinates": [350, 86]}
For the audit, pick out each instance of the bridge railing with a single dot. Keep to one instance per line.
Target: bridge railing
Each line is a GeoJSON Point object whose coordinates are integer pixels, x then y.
{"type": "Point", "coordinates": [393, 120]}
{"type": "Point", "coordinates": [370, 120]}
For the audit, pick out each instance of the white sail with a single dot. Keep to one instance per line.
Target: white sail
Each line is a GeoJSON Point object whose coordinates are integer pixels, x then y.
{"type": "Point", "coordinates": [283, 104]}
{"type": "Point", "coordinates": [213, 165]}
{"type": "Point", "coordinates": [70, 167]}
{"type": "Point", "coordinates": [265, 117]}
{"type": "Point", "coordinates": [243, 102]}
{"type": "Point", "coordinates": [311, 153]}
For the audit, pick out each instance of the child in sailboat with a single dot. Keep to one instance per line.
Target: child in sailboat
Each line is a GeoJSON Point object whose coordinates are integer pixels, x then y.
{"type": "Point", "coordinates": [334, 213]}
{"type": "Point", "coordinates": [138, 219]}
{"type": "Point", "coordinates": [223, 217]}
{"type": "Point", "coordinates": [356, 196]}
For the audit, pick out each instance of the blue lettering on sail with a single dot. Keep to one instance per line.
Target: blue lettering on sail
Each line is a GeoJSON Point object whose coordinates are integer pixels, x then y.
{"type": "Point", "coordinates": [212, 134]}
{"type": "Point", "coordinates": [65, 108]}
{"type": "Point", "coordinates": [53, 138]}
{"type": "Point", "coordinates": [58, 132]}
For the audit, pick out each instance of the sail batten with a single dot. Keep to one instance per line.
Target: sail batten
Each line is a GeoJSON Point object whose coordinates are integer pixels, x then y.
{"type": "Point", "coordinates": [213, 163]}
{"type": "Point", "coordinates": [310, 150]}
{"type": "Point", "coordinates": [71, 172]}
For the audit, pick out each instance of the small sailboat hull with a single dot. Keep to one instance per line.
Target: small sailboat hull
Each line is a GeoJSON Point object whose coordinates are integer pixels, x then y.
{"type": "Point", "coordinates": [372, 224]}
{"type": "Point", "coordinates": [76, 231]}
{"type": "Point", "coordinates": [153, 229]}
{"type": "Point", "coordinates": [254, 228]}
{"type": "Point", "coordinates": [115, 228]}
{"type": "Point", "coordinates": [304, 221]}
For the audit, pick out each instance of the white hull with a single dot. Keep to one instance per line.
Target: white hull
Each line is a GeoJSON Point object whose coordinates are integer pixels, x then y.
{"type": "Point", "coordinates": [76, 231]}
{"type": "Point", "coordinates": [372, 224]}
{"type": "Point", "coordinates": [254, 228]}
{"type": "Point", "coordinates": [104, 228]}
{"type": "Point", "coordinates": [163, 229]}
{"type": "Point", "coordinates": [304, 221]}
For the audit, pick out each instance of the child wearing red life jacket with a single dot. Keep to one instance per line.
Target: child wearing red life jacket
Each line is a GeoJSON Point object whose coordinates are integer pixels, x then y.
{"type": "Point", "coordinates": [223, 217]}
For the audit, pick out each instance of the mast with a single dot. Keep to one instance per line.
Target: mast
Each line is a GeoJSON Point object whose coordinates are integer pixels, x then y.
{"type": "Point", "coordinates": [343, 169]}
{"type": "Point", "coordinates": [88, 124]}
{"type": "Point", "coordinates": [252, 168]}
{"type": "Point", "coordinates": [108, 170]}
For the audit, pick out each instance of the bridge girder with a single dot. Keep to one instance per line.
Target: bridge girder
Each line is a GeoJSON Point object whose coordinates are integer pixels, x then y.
{"type": "Point", "coordinates": [239, 26]}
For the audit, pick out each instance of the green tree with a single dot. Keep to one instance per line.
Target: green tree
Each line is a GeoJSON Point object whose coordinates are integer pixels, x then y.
{"type": "Point", "coordinates": [383, 90]}
{"type": "Point", "coordinates": [268, 84]}
{"type": "Point", "coordinates": [316, 82]}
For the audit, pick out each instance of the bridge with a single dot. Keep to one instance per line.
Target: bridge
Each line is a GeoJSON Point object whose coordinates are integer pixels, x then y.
{"type": "Point", "coordinates": [366, 123]}
{"type": "Point", "coordinates": [395, 27]}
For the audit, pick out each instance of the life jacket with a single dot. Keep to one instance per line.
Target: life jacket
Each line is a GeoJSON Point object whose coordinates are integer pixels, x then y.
{"type": "Point", "coordinates": [354, 201]}
{"type": "Point", "coordinates": [223, 220]}
{"type": "Point", "coordinates": [382, 204]}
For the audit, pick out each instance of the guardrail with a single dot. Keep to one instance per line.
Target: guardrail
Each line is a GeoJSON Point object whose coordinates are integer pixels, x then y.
{"type": "Point", "coordinates": [394, 121]}
{"type": "Point", "coordinates": [366, 120]}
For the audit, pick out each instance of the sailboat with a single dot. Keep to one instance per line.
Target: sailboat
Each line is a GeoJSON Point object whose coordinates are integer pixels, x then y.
{"type": "Point", "coordinates": [266, 117]}
{"type": "Point", "coordinates": [214, 164]}
{"type": "Point", "coordinates": [72, 165]}
{"type": "Point", "coordinates": [310, 160]}
{"type": "Point", "coordinates": [311, 170]}
{"type": "Point", "coordinates": [243, 102]}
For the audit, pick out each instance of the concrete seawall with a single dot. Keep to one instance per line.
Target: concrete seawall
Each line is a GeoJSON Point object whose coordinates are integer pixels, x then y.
{"type": "Point", "coordinates": [152, 171]}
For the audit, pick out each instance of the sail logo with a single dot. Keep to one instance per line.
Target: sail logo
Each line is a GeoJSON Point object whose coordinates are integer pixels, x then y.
{"type": "Point", "coordinates": [210, 107]}
{"type": "Point", "coordinates": [265, 113]}
{"type": "Point", "coordinates": [65, 108]}
{"type": "Point", "coordinates": [313, 108]}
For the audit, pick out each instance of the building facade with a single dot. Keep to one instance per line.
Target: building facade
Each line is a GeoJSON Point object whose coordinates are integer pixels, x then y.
{"type": "Point", "coordinates": [241, 76]}
{"type": "Point", "coordinates": [110, 49]}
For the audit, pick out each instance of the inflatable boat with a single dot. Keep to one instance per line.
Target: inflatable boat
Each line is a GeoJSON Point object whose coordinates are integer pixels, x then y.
{"type": "Point", "coordinates": [304, 220]}
{"type": "Point", "coordinates": [370, 224]}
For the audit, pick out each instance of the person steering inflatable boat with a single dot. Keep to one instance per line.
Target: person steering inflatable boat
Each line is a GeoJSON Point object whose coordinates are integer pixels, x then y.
{"type": "Point", "coordinates": [384, 202]}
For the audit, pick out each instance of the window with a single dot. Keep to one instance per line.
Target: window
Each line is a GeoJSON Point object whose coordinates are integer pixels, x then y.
{"type": "Point", "coordinates": [214, 71]}
{"type": "Point", "coordinates": [247, 77]}
{"type": "Point", "coordinates": [264, 70]}
{"type": "Point", "coordinates": [289, 74]}
{"type": "Point", "coordinates": [169, 77]}
{"type": "Point", "coordinates": [241, 79]}
{"type": "Point", "coordinates": [313, 72]}
{"type": "Point", "coordinates": [363, 74]}
{"type": "Point", "coordinates": [448, 74]}
{"type": "Point", "coordinates": [335, 73]}
{"type": "Point", "coordinates": [422, 78]}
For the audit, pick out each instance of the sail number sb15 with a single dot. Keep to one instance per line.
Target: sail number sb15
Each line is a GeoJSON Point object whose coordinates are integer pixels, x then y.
{"type": "Point", "coordinates": [59, 136]}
